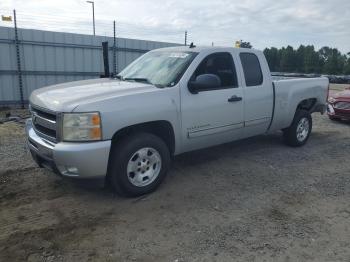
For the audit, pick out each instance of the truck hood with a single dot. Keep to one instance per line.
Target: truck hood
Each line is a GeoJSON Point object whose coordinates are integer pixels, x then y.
{"type": "Point", "coordinates": [67, 96]}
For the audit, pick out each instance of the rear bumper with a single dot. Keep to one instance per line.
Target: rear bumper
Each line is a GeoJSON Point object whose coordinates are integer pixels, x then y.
{"type": "Point", "coordinates": [338, 113]}
{"type": "Point", "coordinates": [79, 160]}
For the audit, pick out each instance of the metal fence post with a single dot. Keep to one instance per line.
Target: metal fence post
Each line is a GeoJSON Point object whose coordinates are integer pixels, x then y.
{"type": "Point", "coordinates": [105, 59]}
{"type": "Point", "coordinates": [19, 71]}
{"type": "Point", "coordinates": [114, 52]}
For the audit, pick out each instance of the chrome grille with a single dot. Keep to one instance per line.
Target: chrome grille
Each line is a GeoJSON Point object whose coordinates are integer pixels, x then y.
{"type": "Point", "coordinates": [44, 122]}
{"type": "Point", "coordinates": [342, 105]}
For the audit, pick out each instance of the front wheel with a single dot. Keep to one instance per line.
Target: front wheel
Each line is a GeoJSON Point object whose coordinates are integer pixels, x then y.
{"type": "Point", "coordinates": [138, 164]}
{"type": "Point", "coordinates": [299, 131]}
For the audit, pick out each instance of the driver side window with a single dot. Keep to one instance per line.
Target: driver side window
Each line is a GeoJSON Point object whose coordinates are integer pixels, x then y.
{"type": "Point", "coordinates": [221, 65]}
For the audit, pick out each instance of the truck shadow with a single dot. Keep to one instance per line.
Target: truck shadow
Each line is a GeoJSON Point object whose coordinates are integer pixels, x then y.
{"type": "Point", "coordinates": [228, 149]}
{"type": "Point", "coordinates": [257, 148]}
{"type": "Point", "coordinates": [190, 159]}
{"type": "Point", "coordinates": [341, 122]}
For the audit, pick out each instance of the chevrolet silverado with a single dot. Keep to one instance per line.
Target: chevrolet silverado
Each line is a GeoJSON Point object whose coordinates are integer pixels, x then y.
{"type": "Point", "coordinates": [169, 101]}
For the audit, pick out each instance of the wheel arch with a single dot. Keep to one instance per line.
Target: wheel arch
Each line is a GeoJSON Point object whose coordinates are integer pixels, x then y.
{"type": "Point", "coordinates": [307, 104]}
{"type": "Point", "coordinates": [161, 128]}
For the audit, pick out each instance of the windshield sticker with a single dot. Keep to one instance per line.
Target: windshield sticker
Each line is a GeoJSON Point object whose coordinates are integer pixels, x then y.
{"type": "Point", "coordinates": [178, 55]}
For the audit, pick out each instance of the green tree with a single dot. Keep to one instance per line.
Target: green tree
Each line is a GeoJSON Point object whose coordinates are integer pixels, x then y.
{"type": "Point", "coordinates": [299, 56]}
{"type": "Point", "coordinates": [311, 60]}
{"type": "Point", "coordinates": [333, 60]}
{"type": "Point", "coordinates": [305, 59]}
{"type": "Point", "coordinates": [288, 59]}
{"type": "Point", "coordinates": [272, 58]}
{"type": "Point", "coordinates": [245, 44]}
{"type": "Point", "coordinates": [346, 70]}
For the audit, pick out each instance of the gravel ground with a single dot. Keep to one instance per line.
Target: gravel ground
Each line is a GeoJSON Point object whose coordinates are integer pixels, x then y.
{"type": "Point", "coordinates": [253, 200]}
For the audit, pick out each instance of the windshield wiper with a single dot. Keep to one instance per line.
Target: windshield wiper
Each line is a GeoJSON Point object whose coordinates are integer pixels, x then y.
{"type": "Point", "coordinates": [119, 77]}
{"type": "Point", "coordinates": [138, 79]}
{"type": "Point", "coordinates": [141, 79]}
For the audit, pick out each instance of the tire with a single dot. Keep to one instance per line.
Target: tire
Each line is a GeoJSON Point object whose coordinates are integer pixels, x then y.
{"type": "Point", "coordinates": [299, 131]}
{"type": "Point", "coordinates": [138, 164]}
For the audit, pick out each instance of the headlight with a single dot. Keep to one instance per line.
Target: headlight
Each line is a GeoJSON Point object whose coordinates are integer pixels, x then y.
{"type": "Point", "coordinates": [81, 127]}
{"type": "Point", "coordinates": [331, 100]}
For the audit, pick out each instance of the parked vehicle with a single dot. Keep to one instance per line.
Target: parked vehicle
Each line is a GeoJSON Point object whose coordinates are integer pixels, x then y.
{"type": "Point", "coordinates": [339, 105]}
{"type": "Point", "coordinates": [167, 102]}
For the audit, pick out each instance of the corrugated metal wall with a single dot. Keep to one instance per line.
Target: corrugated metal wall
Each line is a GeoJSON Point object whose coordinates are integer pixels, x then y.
{"type": "Point", "coordinates": [52, 57]}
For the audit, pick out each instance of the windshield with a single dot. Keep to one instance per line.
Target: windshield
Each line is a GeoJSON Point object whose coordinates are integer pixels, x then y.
{"type": "Point", "coordinates": [160, 68]}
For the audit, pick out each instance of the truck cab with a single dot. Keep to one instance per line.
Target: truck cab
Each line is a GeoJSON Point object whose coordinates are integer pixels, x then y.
{"type": "Point", "coordinates": [240, 105]}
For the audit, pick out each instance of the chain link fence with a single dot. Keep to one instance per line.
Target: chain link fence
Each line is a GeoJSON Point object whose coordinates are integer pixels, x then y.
{"type": "Point", "coordinates": [32, 58]}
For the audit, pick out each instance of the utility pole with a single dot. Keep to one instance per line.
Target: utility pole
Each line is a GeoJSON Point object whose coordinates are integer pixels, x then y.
{"type": "Point", "coordinates": [185, 37]}
{"type": "Point", "coordinates": [19, 71]}
{"type": "Point", "coordinates": [93, 14]}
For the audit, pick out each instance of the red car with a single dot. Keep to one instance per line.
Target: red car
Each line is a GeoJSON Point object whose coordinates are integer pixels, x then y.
{"type": "Point", "coordinates": [339, 105]}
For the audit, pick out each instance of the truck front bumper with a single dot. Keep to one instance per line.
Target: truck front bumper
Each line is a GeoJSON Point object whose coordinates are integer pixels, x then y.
{"type": "Point", "coordinates": [79, 160]}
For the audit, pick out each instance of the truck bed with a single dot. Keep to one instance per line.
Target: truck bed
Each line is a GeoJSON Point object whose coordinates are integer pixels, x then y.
{"type": "Point", "coordinates": [288, 93]}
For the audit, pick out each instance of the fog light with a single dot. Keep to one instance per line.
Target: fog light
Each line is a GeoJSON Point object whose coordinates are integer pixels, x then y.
{"type": "Point", "coordinates": [68, 170]}
{"type": "Point", "coordinates": [72, 170]}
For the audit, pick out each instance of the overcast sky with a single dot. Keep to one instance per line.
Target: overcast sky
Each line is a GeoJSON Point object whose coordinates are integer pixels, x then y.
{"type": "Point", "coordinates": [264, 23]}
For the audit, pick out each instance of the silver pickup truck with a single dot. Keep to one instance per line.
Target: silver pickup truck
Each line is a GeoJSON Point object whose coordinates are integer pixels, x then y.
{"type": "Point", "coordinates": [167, 102]}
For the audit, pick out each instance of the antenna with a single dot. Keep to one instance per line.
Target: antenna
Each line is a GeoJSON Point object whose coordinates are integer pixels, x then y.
{"type": "Point", "coordinates": [192, 45]}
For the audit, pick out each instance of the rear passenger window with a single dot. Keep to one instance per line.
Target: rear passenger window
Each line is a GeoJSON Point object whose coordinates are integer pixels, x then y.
{"type": "Point", "coordinates": [251, 68]}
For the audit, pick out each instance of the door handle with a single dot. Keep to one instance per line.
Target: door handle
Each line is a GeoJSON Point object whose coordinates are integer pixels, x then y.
{"type": "Point", "coordinates": [234, 98]}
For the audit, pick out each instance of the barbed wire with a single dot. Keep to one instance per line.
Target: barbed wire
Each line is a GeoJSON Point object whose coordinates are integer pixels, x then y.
{"type": "Point", "coordinates": [82, 25]}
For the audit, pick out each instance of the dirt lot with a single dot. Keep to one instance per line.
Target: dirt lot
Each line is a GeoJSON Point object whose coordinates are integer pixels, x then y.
{"type": "Point", "coordinates": [255, 200]}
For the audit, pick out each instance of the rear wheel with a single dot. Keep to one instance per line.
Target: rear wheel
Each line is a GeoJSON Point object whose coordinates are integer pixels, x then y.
{"type": "Point", "coordinates": [138, 164]}
{"type": "Point", "coordinates": [299, 131]}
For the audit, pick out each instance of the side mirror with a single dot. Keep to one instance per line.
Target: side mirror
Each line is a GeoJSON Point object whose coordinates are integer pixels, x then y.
{"type": "Point", "coordinates": [204, 82]}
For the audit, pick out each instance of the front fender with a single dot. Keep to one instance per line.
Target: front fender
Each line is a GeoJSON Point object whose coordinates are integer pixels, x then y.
{"type": "Point", "coordinates": [121, 112]}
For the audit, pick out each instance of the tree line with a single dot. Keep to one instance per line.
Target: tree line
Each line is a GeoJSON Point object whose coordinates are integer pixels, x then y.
{"type": "Point", "coordinates": [306, 59]}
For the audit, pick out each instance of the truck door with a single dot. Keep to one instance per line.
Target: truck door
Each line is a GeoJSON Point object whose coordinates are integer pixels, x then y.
{"type": "Point", "coordinates": [258, 93]}
{"type": "Point", "coordinates": [212, 116]}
